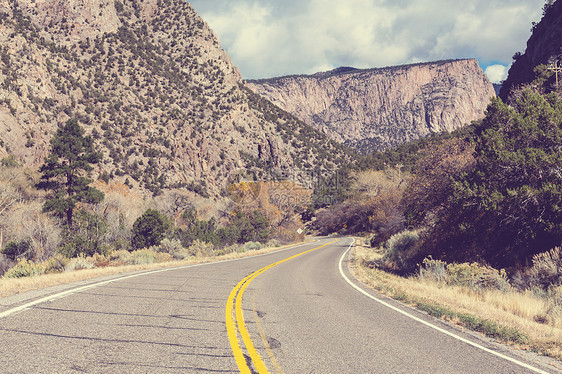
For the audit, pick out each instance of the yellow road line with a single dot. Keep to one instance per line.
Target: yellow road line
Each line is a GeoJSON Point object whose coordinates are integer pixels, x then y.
{"type": "Point", "coordinates": [231, 323]}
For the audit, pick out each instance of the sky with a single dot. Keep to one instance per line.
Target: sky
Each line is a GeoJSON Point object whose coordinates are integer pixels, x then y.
{"type": "Point", "coordinates": [271, 38]}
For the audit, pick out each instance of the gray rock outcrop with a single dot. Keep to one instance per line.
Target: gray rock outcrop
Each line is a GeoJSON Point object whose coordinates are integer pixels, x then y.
{"type": "Point", "coordinates": [381, 108]}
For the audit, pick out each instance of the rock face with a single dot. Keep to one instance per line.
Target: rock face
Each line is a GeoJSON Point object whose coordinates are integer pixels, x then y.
{"type": "Point", "coordinates": [543, 47]}
{"type": "Point", "coordinates": [381, 108]}
{"type": "Point", "coordinates": [151, 82]}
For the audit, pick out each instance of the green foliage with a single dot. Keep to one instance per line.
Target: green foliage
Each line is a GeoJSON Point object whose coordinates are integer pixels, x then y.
{"type": "Point", "coordinates": [396, 248]}
{"type": "Point", "coordinates": [10, 162]}
{"type": "Point", "coordinates": [546, 271]}
{"type": "Point", "coordinates": [407, 154]}
{"type": "Point", "coordinates": [86, 236]}
{"type": "Point", "coordinates": [71, 157]}
{"type": "Point", "coordinates": [79, 263]}
{"type": "Point", "coordinates": [240, 229]}
{"type": "Point", "coordinates": [18, 249]}
{"type": "Point", "coordinates": [149, 229]}
{"type": "Point", "coordinates": [510, 205]}
{"type": "Point", "coordinates": [25, 268]}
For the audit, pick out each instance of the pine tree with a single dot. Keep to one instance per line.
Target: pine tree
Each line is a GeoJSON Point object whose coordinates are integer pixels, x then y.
{"type": "Point", "coordinates": [65, 171]}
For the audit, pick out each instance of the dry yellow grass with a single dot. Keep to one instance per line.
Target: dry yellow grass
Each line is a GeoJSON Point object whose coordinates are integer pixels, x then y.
{"type": "Point", "coordinates": [512, 309]}
{"type": "Point", "coordinates": [12, 286]}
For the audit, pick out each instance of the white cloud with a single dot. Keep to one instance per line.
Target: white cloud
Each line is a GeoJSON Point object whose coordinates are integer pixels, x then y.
{"type": "Point", "coordinates": [496, 73]}
{"type": "Point", "coordinates": [270, 38]}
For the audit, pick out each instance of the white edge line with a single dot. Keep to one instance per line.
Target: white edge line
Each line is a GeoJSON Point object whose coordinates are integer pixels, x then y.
{"type": "Point", "coordinates": [430, 324]}
{"type": "Point", "coordinates": [103, 283]}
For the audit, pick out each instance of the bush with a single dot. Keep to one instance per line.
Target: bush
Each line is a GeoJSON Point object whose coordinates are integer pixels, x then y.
{"type": "Point", "coordinates": [477, 276]}
{"type": "Point", "coordinates": [433, 270]}
{"type": "Point", "coordinates": [142, 257]}
{"type": "Point", "coordinates": [170, 246]}
{"type": "Point", "coordinates": [85, 237]}
{"type": "Point", "coordinates": [79, 263]}
{"type": "Point", "coordinates": [201, 249]}
{"type": "Point", "coordinates": [120, 257]}
{"type": "Point", "coordinates": [472, 275]}
{"type": "Point", "coordinates": [149, 229]}
{"type": "Point", "coordinates": [545, 272]}
{"type": "Point", "coordinates": [5, 265]}
{"type": "Point", "coordinates": [56, 264]}
{"type": "Point", "coordinates": [252, 246]}
{"type": "Point", "coordinates": [273, 243]}
{"type": "Point", "coordinates": [18, 249]}
{"type": "Point", "coordinates": [25, 268]}
{"type": "Point", "coordinates": [396, 247]}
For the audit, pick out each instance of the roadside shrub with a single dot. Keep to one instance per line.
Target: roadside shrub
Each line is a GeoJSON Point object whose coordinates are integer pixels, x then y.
{"type": "Point", "coordinates": [56, 264]}
{"type": "Point", "coordinates": [434, 270]}
{"type": "Point", "coordinates": [170, 246]}
{"type": "Point", "coordinates": [142, 257]}
{"type": "Point", "coordinates": [25, 268]}
{"type": "Point", "coordinates": [120, 257]}
{"type": "Point", "coordinates": [546, 270]}
{"type": "Point", "coordinates": [252, 246]}
{"type": "Point", "coordinates": [273, 243]}
{"type": "Point", "coordinates": [477, 276]}
{"type": "Point", "coordinates": [396, 247]}
{"type": "Point", "coordinates": [201, 249]}
{"type": "Point", "coordinates": [235, 248]}
{"type": "Point", "coordinates": [79, 263]}
{"type": "Point", "coordinates": [472, 275]}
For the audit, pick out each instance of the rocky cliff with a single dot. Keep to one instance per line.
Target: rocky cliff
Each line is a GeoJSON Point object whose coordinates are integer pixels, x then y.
{"type": "Point", "coordinates": [381, 108]}
{"type": "Point", "coordinates": [150, 81]}
{"type": "Point", "coordinates": [543, 47]}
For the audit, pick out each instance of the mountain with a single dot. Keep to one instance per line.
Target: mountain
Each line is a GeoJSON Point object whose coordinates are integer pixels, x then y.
{"type": "Point", "coordinates": [375, 109]}
{"type": "Point", "coordinates": [543, 47]}
{"type": "Point", "coordinates": [150, 81]}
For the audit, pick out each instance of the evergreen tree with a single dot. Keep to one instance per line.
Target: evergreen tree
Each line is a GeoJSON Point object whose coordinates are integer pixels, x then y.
{"type": "Point", "coordinates": [510, 206]}
{"type": "Point", "coordinates": [65, 171]}
{"type": "Point", "coordinates": [149, 229]}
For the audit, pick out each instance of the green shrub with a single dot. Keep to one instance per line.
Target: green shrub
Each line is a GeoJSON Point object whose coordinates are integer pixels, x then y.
{"type": "Point", "coordinates": [10, 162]}
{"type": "Point", "coordinates": [201, 249]}
{"type": "Point", "coordinates": [18, 249]}
{"type": "Point", "coordinates": [56, 264]}
{"type": "Point", "coordinates": [25, 268]}
{"type": "Point", "coordinates": [472, 275]}
{"type": "Point", "coordinates": [170, 246]}
{"type": "Point", "coordinates": [434, 270]}
{"type": "Point", "coordinates": [79, 263]}
{"type": "Point", "coordinates": [252, 246]}
{"type": "Point", "coordinates": [142, 257]}
{"type": "Point", "coordinates": [546, 270]}
{"type": "Point", "coordinates": [149, 229]}
{"type": "Point", "coordinates": [273, 243]}
{"type": "Point", "coordinates": [396, 247]}
{"type": "Point", "coordinates": [477, 276]}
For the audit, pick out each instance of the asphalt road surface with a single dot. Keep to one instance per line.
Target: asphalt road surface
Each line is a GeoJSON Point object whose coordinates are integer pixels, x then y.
{"type": "Point", "coordinates": [299, 314]}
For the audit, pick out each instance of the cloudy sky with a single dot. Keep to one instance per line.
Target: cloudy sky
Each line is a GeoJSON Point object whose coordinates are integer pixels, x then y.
{"type": "Point", "coordinates": [269, 38]}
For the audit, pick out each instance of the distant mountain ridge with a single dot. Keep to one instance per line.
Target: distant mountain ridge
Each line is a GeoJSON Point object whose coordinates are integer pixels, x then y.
{"type": "Point", "coordinates": [374, 109]}
{"type": "Point", "coordinates": [151, 82]}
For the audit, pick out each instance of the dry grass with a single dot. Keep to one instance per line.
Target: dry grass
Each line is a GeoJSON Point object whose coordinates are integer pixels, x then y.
{"type": "Point", "coordinates": [519, 318]}
{"type": "Point", "coordinates": [12, 286]}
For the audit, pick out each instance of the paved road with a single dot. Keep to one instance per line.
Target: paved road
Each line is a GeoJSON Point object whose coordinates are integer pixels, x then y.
{"type": "Point", "coordinates": [173, 321]}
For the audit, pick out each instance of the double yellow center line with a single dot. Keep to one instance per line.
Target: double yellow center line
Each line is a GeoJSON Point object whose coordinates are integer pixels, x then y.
{"type": "Point", "coordinates": [235, 319]}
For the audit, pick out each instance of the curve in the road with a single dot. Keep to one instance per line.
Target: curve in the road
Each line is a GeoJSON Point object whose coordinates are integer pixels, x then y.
{"type": "Point", "coordinates": [231, 323]}
{"type": "Point", "coordinates": [478, 346]}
